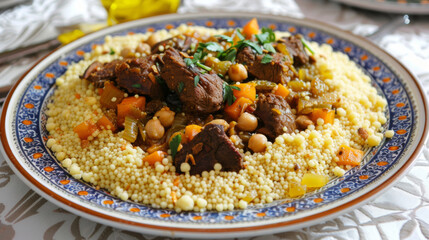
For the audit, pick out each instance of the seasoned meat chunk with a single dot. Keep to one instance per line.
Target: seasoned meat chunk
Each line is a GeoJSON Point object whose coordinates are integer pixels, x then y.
{"type": "Point", "coordinates": [279, 70]}
{"type": "Point", "coordinates": [181, 42]}
{"type": "Point", "coordinates": [296, 50]}
{"type": "Point", "coordinates": [276, 114]}
{"type": "Point", "coordinates": [136, 75]}
{"type": "Point", "coordinates": [209, 147]}
{"type": "Point", "coordinates": [202, 96]}
{"type": "Point", "coordinates": [98, 72]}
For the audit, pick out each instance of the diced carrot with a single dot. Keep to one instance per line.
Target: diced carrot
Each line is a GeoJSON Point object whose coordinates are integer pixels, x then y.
{"type": "Point", "coordinates": [77, 95]}
{"type": "Point", "coordinates": [154, 157]}
{"type": "Point", "coordinates": [106, 123]}
{"type": "Point", "coordinates": [127, 106]}
{"type": "Point", "coordinates": [282, 91]}
{"type": "Point", "coordinates": [323, 113]}
{"type": "Point", "coordinates": [237, 108]}
{"type": "Point", "coordinates": [251, 28]}
{"type": "Point", "coordinates": [349, 156]}
{"type": "Point", "coordinates": [247, 90]}
{"type": "Point", "coordinates": [85, 129]}
{"type": "Point", "coordinates": [176, 181]}
{"type": "Point", "coordinates": [110, 96]}
{"type": "Point", "coordinates": [173, 196]}
{"type": "Point", "coordinates": [191, 131]}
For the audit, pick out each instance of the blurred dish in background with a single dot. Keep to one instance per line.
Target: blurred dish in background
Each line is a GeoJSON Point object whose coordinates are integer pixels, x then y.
{"type": "Point", "coordinates": [127, 10]}
{"type": "Point", "coordinates": [391, 6]}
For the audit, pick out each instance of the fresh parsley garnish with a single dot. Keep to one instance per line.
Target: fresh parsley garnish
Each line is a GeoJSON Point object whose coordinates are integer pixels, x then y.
{"type": "Point", "coordinates": [196, 80]}
{"type": "Point", "coordinates": [189, 62]}
{"type": "Point", "coordinates": [266, 59]}
{"type": "Point", "coordinates": [306, 45]}
{"type": "Point", "coordinates": [174, 144]}
{"type": "Point", "coordinates": [180, 87]}
{"type": "Point", "coordinates": [112, 52]}
{"type": "Point", "coordinates": [239, 35]}
{"type": "Point", "coordinates": [244, 43]}
{"type": "Point", "coordinates": [228, 95]}
{"type": "Point", "coordinates": [137, 85]}
{"type": "Point", "coordinates": [266, 36]}
{"type": "Point", "coordinates": [228, 55]}
{"type": "Point", "coordinates": [159, 80]}
{"type": "Point", "coordinates": [211, 46]}
{"type": "Point", "coordinates": [269, 47]}
{"type": "Point", "coordinates": [226, 38]}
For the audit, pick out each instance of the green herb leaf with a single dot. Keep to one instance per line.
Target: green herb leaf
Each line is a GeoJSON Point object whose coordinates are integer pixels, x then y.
{"type": "Point", "coordinates": [207, 68]}
{"type": "Point", "coordinates": [244, 43]}
{"type": "Point", "coordinates": [174, 144]}
{"type": "Point", "coordinates": [112, 52]}
{"type": "Point", "coordinates": [269, 47]}
{"type": "Point", "coordinates": [137, 85]}
{"type": "Point", "coordinates": [159, 80]}
{"type": "Point", "coordinates": [228, 96]}
{"type": "Point", "coordinates": [196, 80]}
{"type": "Point", "coordinates": [266, 59]}
{"type": "Point", "coordinates": [307, 46]}
{"type": "Point", "coordinates": [226, 38]}
{"type": "Point", "coordinates": [197, 56]}
{"type": "Point", "coordinates": [220, 75]}
{"type": "Point", "coordinates": [180, 87]}
{"type": "Point", "coordinates": [212, 46]}
{"type": "Point", "coordinates": [239, 35]}
{"type": "Point", "coordinates": [188, 62]}
{"type": "Point", "coordinates": [228, 55]}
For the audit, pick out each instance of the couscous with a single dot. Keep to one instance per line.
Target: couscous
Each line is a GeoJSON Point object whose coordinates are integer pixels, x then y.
{"type": "Point", "coordinates": [197, 119]}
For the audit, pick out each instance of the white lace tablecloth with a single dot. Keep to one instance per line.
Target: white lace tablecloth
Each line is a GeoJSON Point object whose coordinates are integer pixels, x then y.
{"type": "Point", "coordinates": [402, 212]}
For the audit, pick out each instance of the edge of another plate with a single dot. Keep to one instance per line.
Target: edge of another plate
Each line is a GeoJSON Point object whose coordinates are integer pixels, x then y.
{"type": "Point", "coordinates": [223, 230]}
{"type": "Point", "coordinates": [389, 6]}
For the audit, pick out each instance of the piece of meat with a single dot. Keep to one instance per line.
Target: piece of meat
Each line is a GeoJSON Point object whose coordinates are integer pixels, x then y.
{"type": "Point", "coordinates": [278, 70]}
{"type": "Point", "coordinates": [209, 147]}
{"type": "Point", "coordinates": [296, 50]}
{"type": "Point", "coordinates": [98, 72]}
{"type": "Point", "coordinates": [181, 42]}
{"type": "Point", "coordinates": [137, 76]}
{"type": "Point", "coordinates": [154, 106]}
{"type": "Point", "coordinates": [275, 113]}
{"type": "Point", "coordinates": [206, 97]}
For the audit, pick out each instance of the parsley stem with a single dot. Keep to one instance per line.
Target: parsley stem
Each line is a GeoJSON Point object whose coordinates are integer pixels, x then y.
{"type": "Point", "coordinates": [307, 46]}
{"type": "Point", "coordinates": [207, 68]}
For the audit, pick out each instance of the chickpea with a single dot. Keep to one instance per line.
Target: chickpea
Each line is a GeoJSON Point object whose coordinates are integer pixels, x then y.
{"type": "Point", "coordinates": [166, 116]}
{"type": "Point", "coordinates": [258, 142]}
{"type": "Point", "coordinates": [247, 122]}
{"type": "Point", "coordinates": [127, 53]}
{"type": "Point", "coordinates": [237, 72]}
{"type": "Point", "coordinates": [154, 129]}
{"type": "Point", "coordinates": [153, 39]}
{"type": "Point", "coordinates": [143, 48]}
{"type": "Point", "coordinates": [220, 122]}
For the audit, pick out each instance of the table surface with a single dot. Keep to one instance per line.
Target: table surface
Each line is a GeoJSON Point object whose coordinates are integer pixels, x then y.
{"type": "Point", "coordinates": [402, 212]}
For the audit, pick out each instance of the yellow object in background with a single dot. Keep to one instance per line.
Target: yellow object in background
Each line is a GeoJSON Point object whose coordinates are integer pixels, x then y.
{"type": "Point", "coordinates": [127, 10]}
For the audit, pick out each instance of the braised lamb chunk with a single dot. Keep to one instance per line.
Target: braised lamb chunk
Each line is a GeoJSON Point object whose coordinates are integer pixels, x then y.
{"type": "Point", "coordinates": [202, 96]}
{"type": "Point", "coordinates": [137, 76]}
{"type": "Point", "coordinates": [209, 147]}
{"type": "Point", "coordinates": [181, 42]}
{"type": "Point", "coordinates": [275, 113]}
{"type": "Point", "coordinates": [296, 50]}
{"type": "Point", "coordinates": [98, 73]}
{"type": "Point", "coordinates": [279, 70]}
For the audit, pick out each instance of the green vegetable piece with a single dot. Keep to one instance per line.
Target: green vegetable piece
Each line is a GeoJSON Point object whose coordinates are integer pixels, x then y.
{"type": "Point", "coordinates": [180, 87]}
{"type": "Point", "coordinates": [269, 47]}
{"type": "Point", "coordinates": [266, 59]}
{"type": "Point", "coordinates": [112, 52]}
{"type": "Point", "coordinates": [174, 144]}
{"type": "Point", "coordinates": [196, 80]}
{"type": "Point", "coordinates": [307, 46]}
{"type": "Point", "coordinates": [137, 85]}
{"type": "Point", "coordinates": [226, 38]}
{"type": "Point", "coordinates": [228, 96]}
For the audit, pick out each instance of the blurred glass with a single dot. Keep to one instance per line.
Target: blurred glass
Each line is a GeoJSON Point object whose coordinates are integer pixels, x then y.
{"type": "Point", "coordinates": [127, 10]}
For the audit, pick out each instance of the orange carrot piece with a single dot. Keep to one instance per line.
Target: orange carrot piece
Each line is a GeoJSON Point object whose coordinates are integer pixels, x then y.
{"type": "Point", "coordinates": [251, 28]}
{"type": "Point", "coordinates": [125, 107]}
{"type": "Point", "coordinates": [349, 156]}
{"type": "Point", "coordinates": [85, 129]}
{"type": "Point", "coordinates": [323, 113]}
{"type": "Point", "coordinates": [191, 131]}
{"type": "Point", "coordinates": [176, 181]}
{"type": "Point", "coordinates": [282, 91]}
{"type": "Point", "coordinates": [154, 157]}
{"type": "Point", "coordinates": [106, 123]}
{"type": "Point", "coordinates": [237, 108]}
{"type": "Point", "coordinates": [110, 96]}
{"type": "Point", "coordinates": [247, 90]}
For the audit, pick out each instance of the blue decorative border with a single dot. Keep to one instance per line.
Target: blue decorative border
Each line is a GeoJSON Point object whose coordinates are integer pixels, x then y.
{"type": "Point", "coordinates": [393, 90]}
